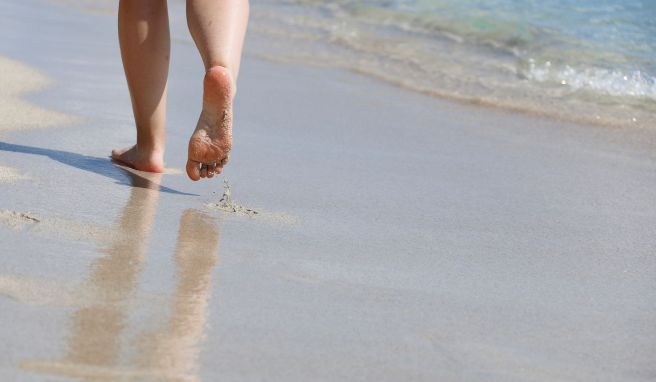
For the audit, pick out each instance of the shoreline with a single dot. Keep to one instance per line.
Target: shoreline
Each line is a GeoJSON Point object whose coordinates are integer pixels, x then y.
{"type": "Point", "coordinates": [312, 36]}
{"type": "Point", "coordinates": [463, 100]}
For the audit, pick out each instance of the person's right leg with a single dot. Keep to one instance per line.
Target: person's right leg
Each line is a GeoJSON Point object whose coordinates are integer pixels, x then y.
{"type": "Point", "coordinates": [143, 31]}
{"type": "Point", "coordinates": [218, 28]}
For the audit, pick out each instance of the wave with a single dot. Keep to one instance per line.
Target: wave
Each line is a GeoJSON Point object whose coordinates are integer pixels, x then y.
{"type": "Point", "coordinates": [611, 82]}
{"type": "Point", "coordinates": [466, 55]}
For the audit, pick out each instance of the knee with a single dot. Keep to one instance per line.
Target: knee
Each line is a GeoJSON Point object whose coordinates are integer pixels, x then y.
{"type": "Point", "coordinates": [143, 9]}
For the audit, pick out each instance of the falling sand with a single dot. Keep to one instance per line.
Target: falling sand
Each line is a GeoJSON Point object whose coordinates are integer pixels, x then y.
{"type": "Point", "coordinates": [228, 205]}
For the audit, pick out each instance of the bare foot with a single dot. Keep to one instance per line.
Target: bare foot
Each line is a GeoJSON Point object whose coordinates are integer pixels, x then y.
{"type": "Point", "coordinates": [211, 142]}
{"type": "Point", "coordinates": [144, 160]}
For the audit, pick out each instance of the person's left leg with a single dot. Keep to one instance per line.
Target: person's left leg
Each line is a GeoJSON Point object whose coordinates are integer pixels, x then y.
{"type": "Point", "coordinates": [143, 31]}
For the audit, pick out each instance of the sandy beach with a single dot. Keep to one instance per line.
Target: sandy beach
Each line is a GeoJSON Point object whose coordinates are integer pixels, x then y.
{"type": "Point", "coordinates": [397, 237]}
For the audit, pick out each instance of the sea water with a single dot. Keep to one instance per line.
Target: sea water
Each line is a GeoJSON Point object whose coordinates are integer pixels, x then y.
{"type": "Point", "coordinates": [582, 60]}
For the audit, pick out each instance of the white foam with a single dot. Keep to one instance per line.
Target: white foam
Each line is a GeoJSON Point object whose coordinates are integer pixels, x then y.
{"type": "Point", "coordinates": [611, 82]}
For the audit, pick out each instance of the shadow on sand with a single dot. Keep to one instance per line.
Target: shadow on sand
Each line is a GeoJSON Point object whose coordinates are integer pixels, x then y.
{"type": "Point", "coordinates": [96, 165]}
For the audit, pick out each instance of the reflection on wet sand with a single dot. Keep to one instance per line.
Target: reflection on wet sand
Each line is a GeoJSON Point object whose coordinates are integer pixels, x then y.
{"type": "Point", "coordinates": [99, 347]}
{"type": "Point", "coordinates": [173, 349]}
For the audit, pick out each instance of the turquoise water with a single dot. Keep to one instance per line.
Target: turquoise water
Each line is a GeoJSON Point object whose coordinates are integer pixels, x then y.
{"type": "Point", "coordinates": [607, 45]}
{"type": "Point", "coordinates": [581, 60]}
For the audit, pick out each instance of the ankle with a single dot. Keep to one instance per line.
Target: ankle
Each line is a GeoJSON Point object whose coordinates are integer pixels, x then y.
{"type": "Point", "coordinates": [149, 146]}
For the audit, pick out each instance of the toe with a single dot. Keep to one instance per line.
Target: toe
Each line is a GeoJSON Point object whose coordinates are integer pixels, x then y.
{"type": "Point", "coordinates": [217, 169]}
{"type": "Point", "coordinates": [203, 171]}
{"type": "Point", "coordinates": [117, 153]}
{"type": "Point", "coordinates": [192, 170]}
{"type": "Point", "coordinates": [211, 170]}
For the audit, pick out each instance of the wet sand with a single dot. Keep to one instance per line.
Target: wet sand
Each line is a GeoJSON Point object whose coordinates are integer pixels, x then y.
{"type": "Point", "coordinates": [400, 237]}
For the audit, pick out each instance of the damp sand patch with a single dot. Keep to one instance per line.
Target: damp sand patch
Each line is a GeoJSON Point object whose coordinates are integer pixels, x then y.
{"type": "Point", "coordinates": [36, 291]}
{"type": "Point", "coordinates": [18, 220]}
{"type": "Point", "coordinates": [56, 228]}
{"type": "Point", "coordinates": [31, 290]}
{"type": "Point", "coordinates": [228, 205]}
{"type": "Point", "coordinates": [9, 175]}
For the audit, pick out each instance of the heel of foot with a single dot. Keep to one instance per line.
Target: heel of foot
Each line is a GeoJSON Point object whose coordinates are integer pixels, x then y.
{"type": "Point", "coordinates": [218, 85]}
{"type": "Point", "coordinates": [212, 140]}
{"type": "Point", "coordinates": [150, 161]}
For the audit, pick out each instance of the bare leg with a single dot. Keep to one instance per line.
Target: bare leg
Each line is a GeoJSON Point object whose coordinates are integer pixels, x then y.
{"type": "Point", "coordinates": [143, 31]}
{"type": "Point", "coordinates": [218, 27]}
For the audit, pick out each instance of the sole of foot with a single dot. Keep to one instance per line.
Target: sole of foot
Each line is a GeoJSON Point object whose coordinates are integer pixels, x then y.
{"type": "Point", "coordinates": [211, 142]}
{"type": "Point", "coordinates": [150, 161]}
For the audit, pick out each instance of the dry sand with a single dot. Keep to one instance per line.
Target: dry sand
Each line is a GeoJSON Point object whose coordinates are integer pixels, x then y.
{"type": "Point", "coordinates": [18, 80]}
